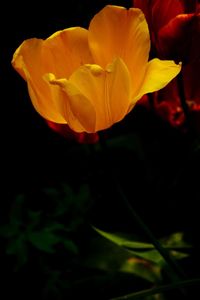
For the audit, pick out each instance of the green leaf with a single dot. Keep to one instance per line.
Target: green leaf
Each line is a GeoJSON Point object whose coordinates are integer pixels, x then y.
{"type": "Point", "coordinates": [18, 248]}
{"type": "Point", "coordinates": [175, 240]}
{"type": "Point", "coordinates": [107, 256]}
{"type": "Point", "coordinates": [145, 250]}
{"type": "Point", "coordinates": [34, 219]}
{"type": "Point", "coordinates": [142, 268]}
{"type": "Point", "coordinates": [15, 245]}
{"type": "Point", "coordinates": [70, 246]}
{"type": "Point", "coordinates": [130, 142]}
{"type": "Point", "coordinates": [123, 240]}
{"type": "Point", "coordinates": [155, 297]}
{"type": "Point", "coordinates": [44, 240]}
{"type": "Point", "coordinates": [61, 197]}
{"type": "Point", "coordinates": [67, 201]}
{"type": "Point", "coordinates": [151, 255]}
{"type": "Point", "coordinates": [8, 231]}
{"type": "Point", "coordinates": [56, 226]}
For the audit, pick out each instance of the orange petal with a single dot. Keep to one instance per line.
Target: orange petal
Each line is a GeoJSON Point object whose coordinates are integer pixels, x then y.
{"type": "Point", "coordinates": [79, 112]}
{"type": "Point", "coordinates": [98, 98]}
{"type": "Point", "coordinates": [60, 54]}
{"type": "Point", "coordinates": [158, 74]}
{"type": "Point", "coordinates": [27, 61]}
{"type": "Point", "coordinates": [108, 90]}
{"type": "Point", "coordinates": [118, 32]}
{"type": "Point", "coordinates": [65, 51]}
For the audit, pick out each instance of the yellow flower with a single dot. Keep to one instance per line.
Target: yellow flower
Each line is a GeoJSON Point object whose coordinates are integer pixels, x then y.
{"type": "Point", "coordinates": [91, 79]}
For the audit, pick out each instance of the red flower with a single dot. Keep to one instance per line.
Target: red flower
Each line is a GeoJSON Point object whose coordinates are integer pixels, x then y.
{"type": "Point", "coordinates": [68, 133]}
{"type": "Point", "coordinates": [175, 32]}
{"type": "Point", "coordinates": [174, 27]}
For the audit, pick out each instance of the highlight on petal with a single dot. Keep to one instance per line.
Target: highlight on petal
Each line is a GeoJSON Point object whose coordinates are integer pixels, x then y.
{"type": "Point", "coordinates": [107, 92]}
{"type": "Point", "coordinates": [118, 32]}
{"type": "Point", "coordinates": [158, 74]}
{"type": "Point", "coordinates": [65, 51]}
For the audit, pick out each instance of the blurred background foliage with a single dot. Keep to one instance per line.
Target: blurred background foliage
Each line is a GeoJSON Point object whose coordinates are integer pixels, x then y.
{"type": "Point", "coordinates": [64, 228]}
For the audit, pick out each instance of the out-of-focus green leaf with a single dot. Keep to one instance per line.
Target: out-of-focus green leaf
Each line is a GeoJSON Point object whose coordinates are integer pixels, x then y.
{"type": "Point", "coordinates": [155, 257]}
{"type": "Point", "coordinates": [62, 197]}
{"type": "Point", "coordinates": [82, 196]}
{"type": "Point", "coordinates": [130, 142]}
{"type": "Point", "coordinates": [70, 246]}
{"type": "Point", "coordinates": [15, 245]}
{"type": "Point", "coordinates": [56, 226]}
{"type": "Point", "coordinates": [155, 297]}
{"type": "Point", "coordinates": [9, 231]}
{"type": "Point", "coordinates": [147, 251]}
{"type": "Point", "coordinates": [34, 219]}
{"type": "Point", "coordinates": [107, 256]}
{"type": "Point", "coordinates": [142, 268]}
{"type": "Point", "coordinates": [66, 200]}
{"type": "Point", "coordinates": [44, 240]}
{"type": "Point", "coordinates": [150, 255]}
{"type": "Point", "coordinates": [175, 240]}
{"type": "Point", "coordinates": [18, 247]}
{"type": "Point", "coordinates": [15, 227]}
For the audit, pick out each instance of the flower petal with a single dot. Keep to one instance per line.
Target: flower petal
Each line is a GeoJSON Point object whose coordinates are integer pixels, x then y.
{"type": "Point", "coordinates": [65, 51]}
{"type": "Point", "coordinates": [60, 54]}
{"type": "Point", "coordinates": [191, 82]}
{"type": "Point", "coordinates": [168, 105]}
{"type": "Point", "coordinates": [108, 90]}
{"type": "Point", "coordinates": [118, 32]}
{"type": "Point", "coordinates": [79, 112]}
{"type": "Point", "coordinates": [164, 11]}
{"type": "Point", "coordinates": [98, 98]}
{"type": "Point", "coordinates": [27, 60]}
{"type": "Point", "coordinates": [179, 39]}
{"type": "Point", "coordinates": [158, 74]}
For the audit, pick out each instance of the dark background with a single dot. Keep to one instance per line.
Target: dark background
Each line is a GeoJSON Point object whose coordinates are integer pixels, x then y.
{"type": "Point", "coordinates": [160, 174]}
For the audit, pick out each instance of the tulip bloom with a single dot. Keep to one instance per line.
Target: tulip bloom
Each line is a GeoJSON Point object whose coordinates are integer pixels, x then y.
{"type": "Point", "coordinates": [90, 79]}
{"type": "Point", "coordinates": [175, 31]}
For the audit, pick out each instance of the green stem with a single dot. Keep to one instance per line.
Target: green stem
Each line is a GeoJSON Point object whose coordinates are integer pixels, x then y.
{"type": "Point", "coordinates": [175, 271]}
{"type": "Point", "coordinates": [160, 289]}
